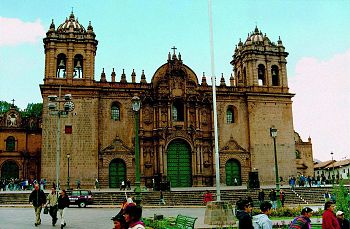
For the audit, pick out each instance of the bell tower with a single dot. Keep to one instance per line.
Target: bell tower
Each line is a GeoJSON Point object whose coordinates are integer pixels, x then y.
{"type": "Point", "coordinates": [70, 53]}
{"type": "Point", "coordinates": [258, 62]}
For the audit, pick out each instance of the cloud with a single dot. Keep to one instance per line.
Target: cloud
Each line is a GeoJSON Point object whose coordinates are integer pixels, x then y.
{"type": "Point", "coordinates": [14, 31]}
{"type": "Point", "coordinates": [321, 107]}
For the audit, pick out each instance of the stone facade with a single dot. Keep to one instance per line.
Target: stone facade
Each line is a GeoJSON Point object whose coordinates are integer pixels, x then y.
{"type": "Point", "coordinates": [304, 156]}
{"type": "Point", "coordinates": [20, 145]}
{"type": "Point", "coordinates": [176, 131]}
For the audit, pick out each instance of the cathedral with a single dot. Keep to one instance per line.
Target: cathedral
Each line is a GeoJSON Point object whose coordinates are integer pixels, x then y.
{"type": "Point", "coordinates": [175, 126]}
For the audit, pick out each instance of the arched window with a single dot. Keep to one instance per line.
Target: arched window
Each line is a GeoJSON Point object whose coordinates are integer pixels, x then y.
{"type": "Point", "coordinates": [115, 111]}
{"type": "Point", "coordinates": [10, 144]}
{"type": "Point", "coordinates": [297, 155]}
{"type": "Point", "coordinates": [78, 66]}
{"type": "Point", "coordinates": [61, 66]}
{"type": "Point", "coordinates": [261, 75]}
{"type": "Point", "coordinates": [178, 111]}
{"type": "Point", "coordinates": [275, 75]}
{"type": "Point", "coordinates": [231, 114]}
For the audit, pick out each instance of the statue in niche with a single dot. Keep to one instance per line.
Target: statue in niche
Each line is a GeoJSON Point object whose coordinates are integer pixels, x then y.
{"type": "Point", "coordinates": [164, 116]}
{"type": "Point", "coordinates": [147, 116]}
{"type": "Point", "coordinates": [204, 117]}
{"type": "Point", "coordinates": [12, 120]}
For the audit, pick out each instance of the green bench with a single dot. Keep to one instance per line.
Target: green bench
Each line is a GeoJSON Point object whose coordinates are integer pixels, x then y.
{"type": "Point", "coordinates": [185, 222]}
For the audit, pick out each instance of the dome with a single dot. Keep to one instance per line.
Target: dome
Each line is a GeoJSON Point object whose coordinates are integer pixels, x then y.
{"type": "Point", "coordinates": [255, 37]}
{"type": "Point", "coordinates": [71, 25]}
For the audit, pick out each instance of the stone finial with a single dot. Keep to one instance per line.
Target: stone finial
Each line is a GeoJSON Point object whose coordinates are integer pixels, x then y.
{"type": "Point", "coordinates": [279, 42]}
{"type": "Point", "coordinates": [179, 56]}
{"type": "Point", "coordinates": [113, 76]}
{"type": "Point", "coordinates": [103, 76]}
{"type": "Point", "coordinates": [123, 77]}
{"type": "Point", "coordinates": [204, 80]}
{"type": "Point", "coordinates": [133, 76]}
{"type": "Point", "coordinates": [52, 26]}
{"type": "Point", "coordinates": [222, 80]}
{"type": "Point", "coordinates": [169, 56]}
{"type": "Point", "coordinates": [232, 81]}
{"type": "Point", "coordinates": [90, 27]}
{"type": "Point", "coordinates": [143, 77]}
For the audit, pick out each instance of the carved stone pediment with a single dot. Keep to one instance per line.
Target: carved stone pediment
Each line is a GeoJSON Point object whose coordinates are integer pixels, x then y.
{"type": "Point", "coordinates": [13, 118]}
{"type": "Point", "coordinates": [117, 146]}
{"type": "Point", "coordinates": [232, 146]}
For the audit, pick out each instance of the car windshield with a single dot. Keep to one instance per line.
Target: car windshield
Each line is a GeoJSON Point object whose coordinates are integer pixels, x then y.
{"type": "Point", "coordinates": [84, 193]}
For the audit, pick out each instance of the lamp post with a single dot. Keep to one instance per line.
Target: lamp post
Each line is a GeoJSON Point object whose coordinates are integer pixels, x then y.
{"type": "Point", "coordinates": [136, 105]}
{"type": "Point", "coordinates": [333, 176]}
{"type": "Point", "coordinates": [54, 106]}
{"type": "Point", "coordinates": [68, 157]}
{"type": "Point", "coordinates": [273, 132]}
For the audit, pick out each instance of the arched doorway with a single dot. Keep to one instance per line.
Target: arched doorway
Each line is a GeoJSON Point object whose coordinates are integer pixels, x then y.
{"type": "Point", "coordinates": [179, 164]}
{"type": "Point", "coordinates": [233, 170]}
{"type": "Point", "coordinates": [117, 173]}
{"type": "Point", "coordinates": [9, 170]}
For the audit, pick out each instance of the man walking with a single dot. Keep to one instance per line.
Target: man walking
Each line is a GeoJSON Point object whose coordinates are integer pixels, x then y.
{"type": "Point", "coordinates": [63, 202]}
{"type": "Point", "coordinates": [329, 221]}
{"type": "Point", "coordinates": [38, 199]}
{"type": "Point", "coordinates": [52, 204]}
{"type": "Point", "coordinates": [303, 221]}
{"type": "Point", "coordinates": [262, 220]}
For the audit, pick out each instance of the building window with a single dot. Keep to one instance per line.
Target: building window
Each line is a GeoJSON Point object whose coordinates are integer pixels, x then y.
{"type": "Point", "coordinates": [115, 112]}
{"type": "Point", "coordinates": [229, 115]}
{"type": "Point", "coordinates": [261, 75]}
{"type": "Point", "coordinates": [297, 155]}
{"type": "Point", "coordinates": [178, 111]}
{"type": "Point", "coordinates": [68, 129]}
{"type": "Point", "coordinates": [275, 76]}
{"type": "Point", "coordinates": [10, 144]}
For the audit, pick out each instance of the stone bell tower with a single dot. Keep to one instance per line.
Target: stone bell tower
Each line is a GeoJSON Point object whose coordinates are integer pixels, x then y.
{"type": "Point", "coordinates": [70, 53]}
{"type": "Point", "coordinates": [259, 67]}
{"type": "Point", "coordinates": [69, 69]}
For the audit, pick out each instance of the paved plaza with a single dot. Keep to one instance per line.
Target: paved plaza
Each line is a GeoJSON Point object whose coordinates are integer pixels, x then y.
{"type": "Point", "coordinates": [22, 217]}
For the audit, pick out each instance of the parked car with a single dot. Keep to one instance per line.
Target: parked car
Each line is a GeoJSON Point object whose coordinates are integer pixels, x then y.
{"type": "Point", "coordinates": [80, 197]}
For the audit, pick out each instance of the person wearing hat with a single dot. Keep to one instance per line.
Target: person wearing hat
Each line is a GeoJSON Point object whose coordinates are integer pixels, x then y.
{"type": "Point", "coordinates": [303, 221]}
{"type": "Point", "coordinates": [344, 223]}
{"type": "Point", "coordinates": [119, 222]}
{"type": "Point", "coordinates": [329, 221]}
{"type": "Point", "coordinates": [133, 215]}
{"type": "Point", "coordinates": [243, 214]}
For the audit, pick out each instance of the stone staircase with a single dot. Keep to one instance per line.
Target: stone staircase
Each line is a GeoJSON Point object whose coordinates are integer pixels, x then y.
{"type": "Point", "coordinates": [300, 196]}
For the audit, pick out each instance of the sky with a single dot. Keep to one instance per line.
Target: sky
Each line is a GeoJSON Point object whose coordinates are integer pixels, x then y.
{"type": "Point", "coordinates": [138, 34]}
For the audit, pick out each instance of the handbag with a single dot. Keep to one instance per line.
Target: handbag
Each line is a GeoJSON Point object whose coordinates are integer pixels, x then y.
{"type": "Point", "coordinates": [46, 210]}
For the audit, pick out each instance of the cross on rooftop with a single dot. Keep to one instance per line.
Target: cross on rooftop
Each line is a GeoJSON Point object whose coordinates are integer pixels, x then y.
{"type": "Point", "coordinates": [13, 102]}
{"type": "Point", "coordinates": [173, 48]}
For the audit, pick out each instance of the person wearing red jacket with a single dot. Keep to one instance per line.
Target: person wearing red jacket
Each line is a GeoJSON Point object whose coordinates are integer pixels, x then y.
{"type": "Point", "coordinates": [329, 221]}
{"type": "Point", "coordinates": [207, 197]}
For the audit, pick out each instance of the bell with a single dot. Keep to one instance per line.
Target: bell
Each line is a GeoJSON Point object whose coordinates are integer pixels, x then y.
{"type": "Point", "coordinates": [78, 66]}
{"type": "Point", "coordinates": [61, 65]}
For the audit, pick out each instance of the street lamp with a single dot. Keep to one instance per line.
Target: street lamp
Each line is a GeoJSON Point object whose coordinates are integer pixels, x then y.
{"type": "Point", "coordinates": [68, 157]}
{"type": "Point", "coordinates": [333, 177]}
{"type": "Point", "coordinates": [273, 132]}
{"type": "Point", "coordinates": [136, 105]}
{"type": "Point", "coordinates": [54, 106]}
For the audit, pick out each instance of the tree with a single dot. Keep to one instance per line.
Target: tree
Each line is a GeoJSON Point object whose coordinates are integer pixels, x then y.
{"type": "Point", "coordinates": [4, 106]}
{"type": "Point", "coordinates": [342, 198]}
{"type": "Point", "coordinates": [33, 109]}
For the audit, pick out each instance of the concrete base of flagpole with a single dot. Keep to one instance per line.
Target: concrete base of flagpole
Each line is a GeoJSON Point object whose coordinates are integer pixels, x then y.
{"type": "Point", "coordinates": [219, 213]}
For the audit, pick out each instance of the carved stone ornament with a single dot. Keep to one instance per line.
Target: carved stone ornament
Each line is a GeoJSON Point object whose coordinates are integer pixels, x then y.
{"type": "Point", "coordinates": [232, 146]}
{"type": "Point", "coordinates": [117, 146]}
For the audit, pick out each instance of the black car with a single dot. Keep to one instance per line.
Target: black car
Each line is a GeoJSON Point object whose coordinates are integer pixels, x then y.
{"type": "Point", "coordinates": [80, 197]}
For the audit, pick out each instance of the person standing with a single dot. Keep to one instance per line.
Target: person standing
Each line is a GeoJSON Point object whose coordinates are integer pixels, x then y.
{"type": "Point", "coordinates": [63, 202]}
{"type": "Point", "coordinates": [262, 220]}
{"type": "Point", "coordinates": [273, 198]}
{"type": "Point", "coordinates": [38, 199]}
{"type": "Point", "coordinates": [119, 222]}
{"type": "Point", "coordinates": [207, 197]}
{"type": "Point", "coordinates": [161, 198]}
{"type": "Point", "coordinates": [303, 221]}
{"type": "Point", "coordinates": [282, 197]}
{"type": "Point", "coordinates": [329, 221]}
{"type": "Point", "coordinates": [261, 196]}
{"type": "Point", "coordinates": [243, 214]}
{"type": "Point", "coordinates": [52, 204]}
{"type": "Point", "coordinates": [78, 183]}
{"type": "Point", "coordinates": [97, 184]}
{"type": "Point", "coordinates": [343, 223]}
